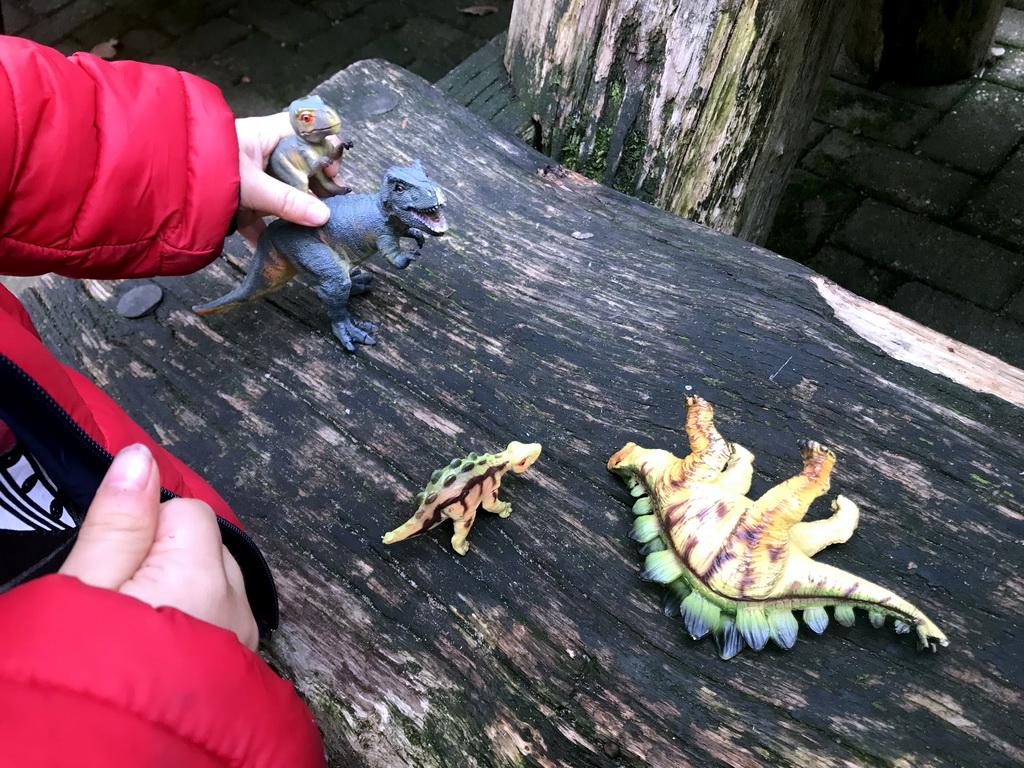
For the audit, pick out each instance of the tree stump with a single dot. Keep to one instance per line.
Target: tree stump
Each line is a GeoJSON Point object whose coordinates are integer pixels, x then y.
{"type": "Point", "coordinates": [922, 41]}
{"type": "Point", "coordinates": [560, 311]}
{"type": "Point", "coordinates": [699, 108]}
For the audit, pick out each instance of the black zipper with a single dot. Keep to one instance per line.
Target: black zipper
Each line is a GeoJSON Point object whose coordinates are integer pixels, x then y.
{"type": "Point", "coordinates": [259, 579]}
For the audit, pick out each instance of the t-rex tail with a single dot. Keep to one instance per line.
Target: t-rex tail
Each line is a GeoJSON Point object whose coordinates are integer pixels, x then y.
{"type": "Point", "coordinates": [268, 272]}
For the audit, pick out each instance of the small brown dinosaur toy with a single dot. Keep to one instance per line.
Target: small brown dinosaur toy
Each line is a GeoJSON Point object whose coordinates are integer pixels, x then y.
{"type": "Point", "coordinates": [304, 156]}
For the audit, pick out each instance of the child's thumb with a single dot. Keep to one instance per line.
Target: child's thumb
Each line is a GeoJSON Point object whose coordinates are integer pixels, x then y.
{"type": "Point", "coordinates": [120, 525]}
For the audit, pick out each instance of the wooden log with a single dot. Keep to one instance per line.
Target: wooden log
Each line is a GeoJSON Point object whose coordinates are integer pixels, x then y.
{"type": "Point", "coordinates": [699, 109]}
{"type": "Point", "coordinates": [542, 647]}
{"type": "Point", "coordinates": [922, 41]}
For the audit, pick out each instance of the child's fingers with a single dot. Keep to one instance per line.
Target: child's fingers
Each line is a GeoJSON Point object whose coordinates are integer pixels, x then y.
{"type": "Point", "coordinates": [266, 194]}
{"type": "Point", "coordinates": [189, 569]}
{"type": "Point", "coordinates": [121, 523]}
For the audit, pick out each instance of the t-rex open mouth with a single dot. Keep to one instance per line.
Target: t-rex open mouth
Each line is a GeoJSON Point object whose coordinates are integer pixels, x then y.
{"type": "Point", "coordinates": [432, 218]}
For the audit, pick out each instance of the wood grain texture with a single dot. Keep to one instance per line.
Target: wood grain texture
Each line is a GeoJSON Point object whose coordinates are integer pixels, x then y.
{"type": "Point", "coordinates": [542, 647]}
{"type": "Point", "coordinates": [698, 107]}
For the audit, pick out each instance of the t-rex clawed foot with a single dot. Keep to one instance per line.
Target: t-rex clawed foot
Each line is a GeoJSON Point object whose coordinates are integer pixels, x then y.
{"type": "Point", "coordinates": [351, 332]}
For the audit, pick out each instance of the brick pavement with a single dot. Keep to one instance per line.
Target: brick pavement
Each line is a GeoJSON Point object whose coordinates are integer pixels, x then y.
{"type": "Point", "coordinates": [909, 196]}
{"type": "Point", "coordinates": [914, 197]}
{"type": "Point", "coordinates": [264, 53]}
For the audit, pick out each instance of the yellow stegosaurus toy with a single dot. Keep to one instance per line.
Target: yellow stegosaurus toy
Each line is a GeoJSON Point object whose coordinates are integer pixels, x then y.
{"type": "Point", "coordinates": [737, 568]}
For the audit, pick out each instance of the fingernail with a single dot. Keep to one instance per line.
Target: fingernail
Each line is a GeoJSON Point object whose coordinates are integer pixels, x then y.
{"type": "Point", "coordinates": [318, 212]}
{"type": "Point", "coordinates": [131, 468]}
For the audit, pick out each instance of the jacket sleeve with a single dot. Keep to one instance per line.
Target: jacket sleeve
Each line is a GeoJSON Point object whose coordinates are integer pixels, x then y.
{"type": "Point", "coordinates": [110, 169]}
{"type": "Point", "coordinates": [122, 683]}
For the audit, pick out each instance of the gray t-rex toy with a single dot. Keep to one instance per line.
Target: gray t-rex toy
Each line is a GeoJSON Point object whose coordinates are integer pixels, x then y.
{"type": "Point", "coordinates": [408, 205]}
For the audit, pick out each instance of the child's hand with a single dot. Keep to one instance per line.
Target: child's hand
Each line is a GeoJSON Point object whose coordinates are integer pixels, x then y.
{"type": "Point", "coordinates": [163, 554]}
{"type": "Point", "coordinates": [262, 194]}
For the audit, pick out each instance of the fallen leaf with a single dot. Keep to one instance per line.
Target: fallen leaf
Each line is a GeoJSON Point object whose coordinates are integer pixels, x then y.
{"type": "Point", "coordinates": [479, 10]}
{"type": "Point", "coordinates": [105, 50]}
{"type": "Point", "coordinates": [583, 235]}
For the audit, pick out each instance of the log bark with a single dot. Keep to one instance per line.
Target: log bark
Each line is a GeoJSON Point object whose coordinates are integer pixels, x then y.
{"type": "Point", "coordinates": [542, 647]}
{"type": "Point", "coordinates": [922, 41]}
{"type": "Point", "coordinates": [698, 107]}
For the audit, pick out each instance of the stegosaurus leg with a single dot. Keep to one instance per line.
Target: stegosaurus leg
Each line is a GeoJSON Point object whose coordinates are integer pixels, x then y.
{"type": "Point", "coordinates": [788, 501]}
{"type": "Point", "coordinates": [811, 538]}
{"type": "Point", "coordinates": [739, 471]}
{"type": "Point", "coordinates": [709, 452]}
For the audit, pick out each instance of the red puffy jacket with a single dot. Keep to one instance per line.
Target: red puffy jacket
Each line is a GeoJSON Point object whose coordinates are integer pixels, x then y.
{"type": "Point", "coordinates": [119, 170]}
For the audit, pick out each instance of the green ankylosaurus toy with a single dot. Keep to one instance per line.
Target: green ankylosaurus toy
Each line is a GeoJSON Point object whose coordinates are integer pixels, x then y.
{"type": "Point", "coordinates": [736, 567]}
{"type": "Point", "coordinates": [456, 491]}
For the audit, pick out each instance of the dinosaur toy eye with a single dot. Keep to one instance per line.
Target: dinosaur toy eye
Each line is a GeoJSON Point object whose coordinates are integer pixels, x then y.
{"type": "Point", "coordinates": [306, 117]}
{"type": "Point", "coordinates": [400, 187]}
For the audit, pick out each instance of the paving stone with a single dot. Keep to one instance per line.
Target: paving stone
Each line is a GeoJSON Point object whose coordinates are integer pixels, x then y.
{"type": "Point", "coordinates": [940, 97]}
{"type": "Point", "coordinates": [271, 66]}
{"type": "Point", "coordinates": [815, 133]}
{"type": "Point", "coordinates": [341, 9]}
{"type": "Point", "coordinates": [873, 114]}
{"type": "Point", "coordinates": [435, 48]}
{"type": "Point", "coordinates": [1011, 27]}
{"type": "Point", "coordinates": [811, 207]}
{"type": "Point", "coordinates": [140, 44]}
{"type": "Point", "coordinates": [43, 7]}
{"type": "Point", "coordinates": [948, 260]}
{"type": "Point", "coordinates": [246, 101]}
{"type": "Point", "coordinates": [895, 176]}
{"type": "Point", "coordinates": [182, 16]}
{"type": "Point", "coordinates": [387, 47]}
{"type": "Point", "coordinates": [16, 18]}
{"type": "Point", "coordinates": [335, 47]}
{"type": "Point", "coordinates": [113, 23]}
{"type": "Point", "coordinates": [211, 37]}
{"type": "Point", "coordinates": [1015, 309]}
{"type": "Point", "coordinates": [979, 133]}
{"type": "Point", "coordinates": [51, 29]}
{"type": "Point", "coordinates": [999, 336]}
{"type": "Point", "coordinates": [284, 21]}
{"type": "Point", "coordinates": [1008, 69]}
{"type": "Point", "coordinates": [481, 27]}
{"type": "Point", "coordinates": [854, 273]}
{"type": "Point", "coordinates": [997, 211]}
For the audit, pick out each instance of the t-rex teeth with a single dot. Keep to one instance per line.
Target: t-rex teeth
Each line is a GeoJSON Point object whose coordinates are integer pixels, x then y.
{"type": "Point", "coordinates": [645, 528]}
{"type": "Point", "coordinates": [662, 567]}
{"type": "Point", "coordinates": [699, 615]}
{"type": "Point", "coordinates": [728, 639]}
{"type": "Point", "coordinates": [753, 626]}
{"type": "Point", "coordinates": [816, 618]}
{"type": "Point", "coordinates": [844, 615]}
{"type": "Point", "coordinates": [784, 628]}
{"type": "Point", "coordinates": [877, 618]}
